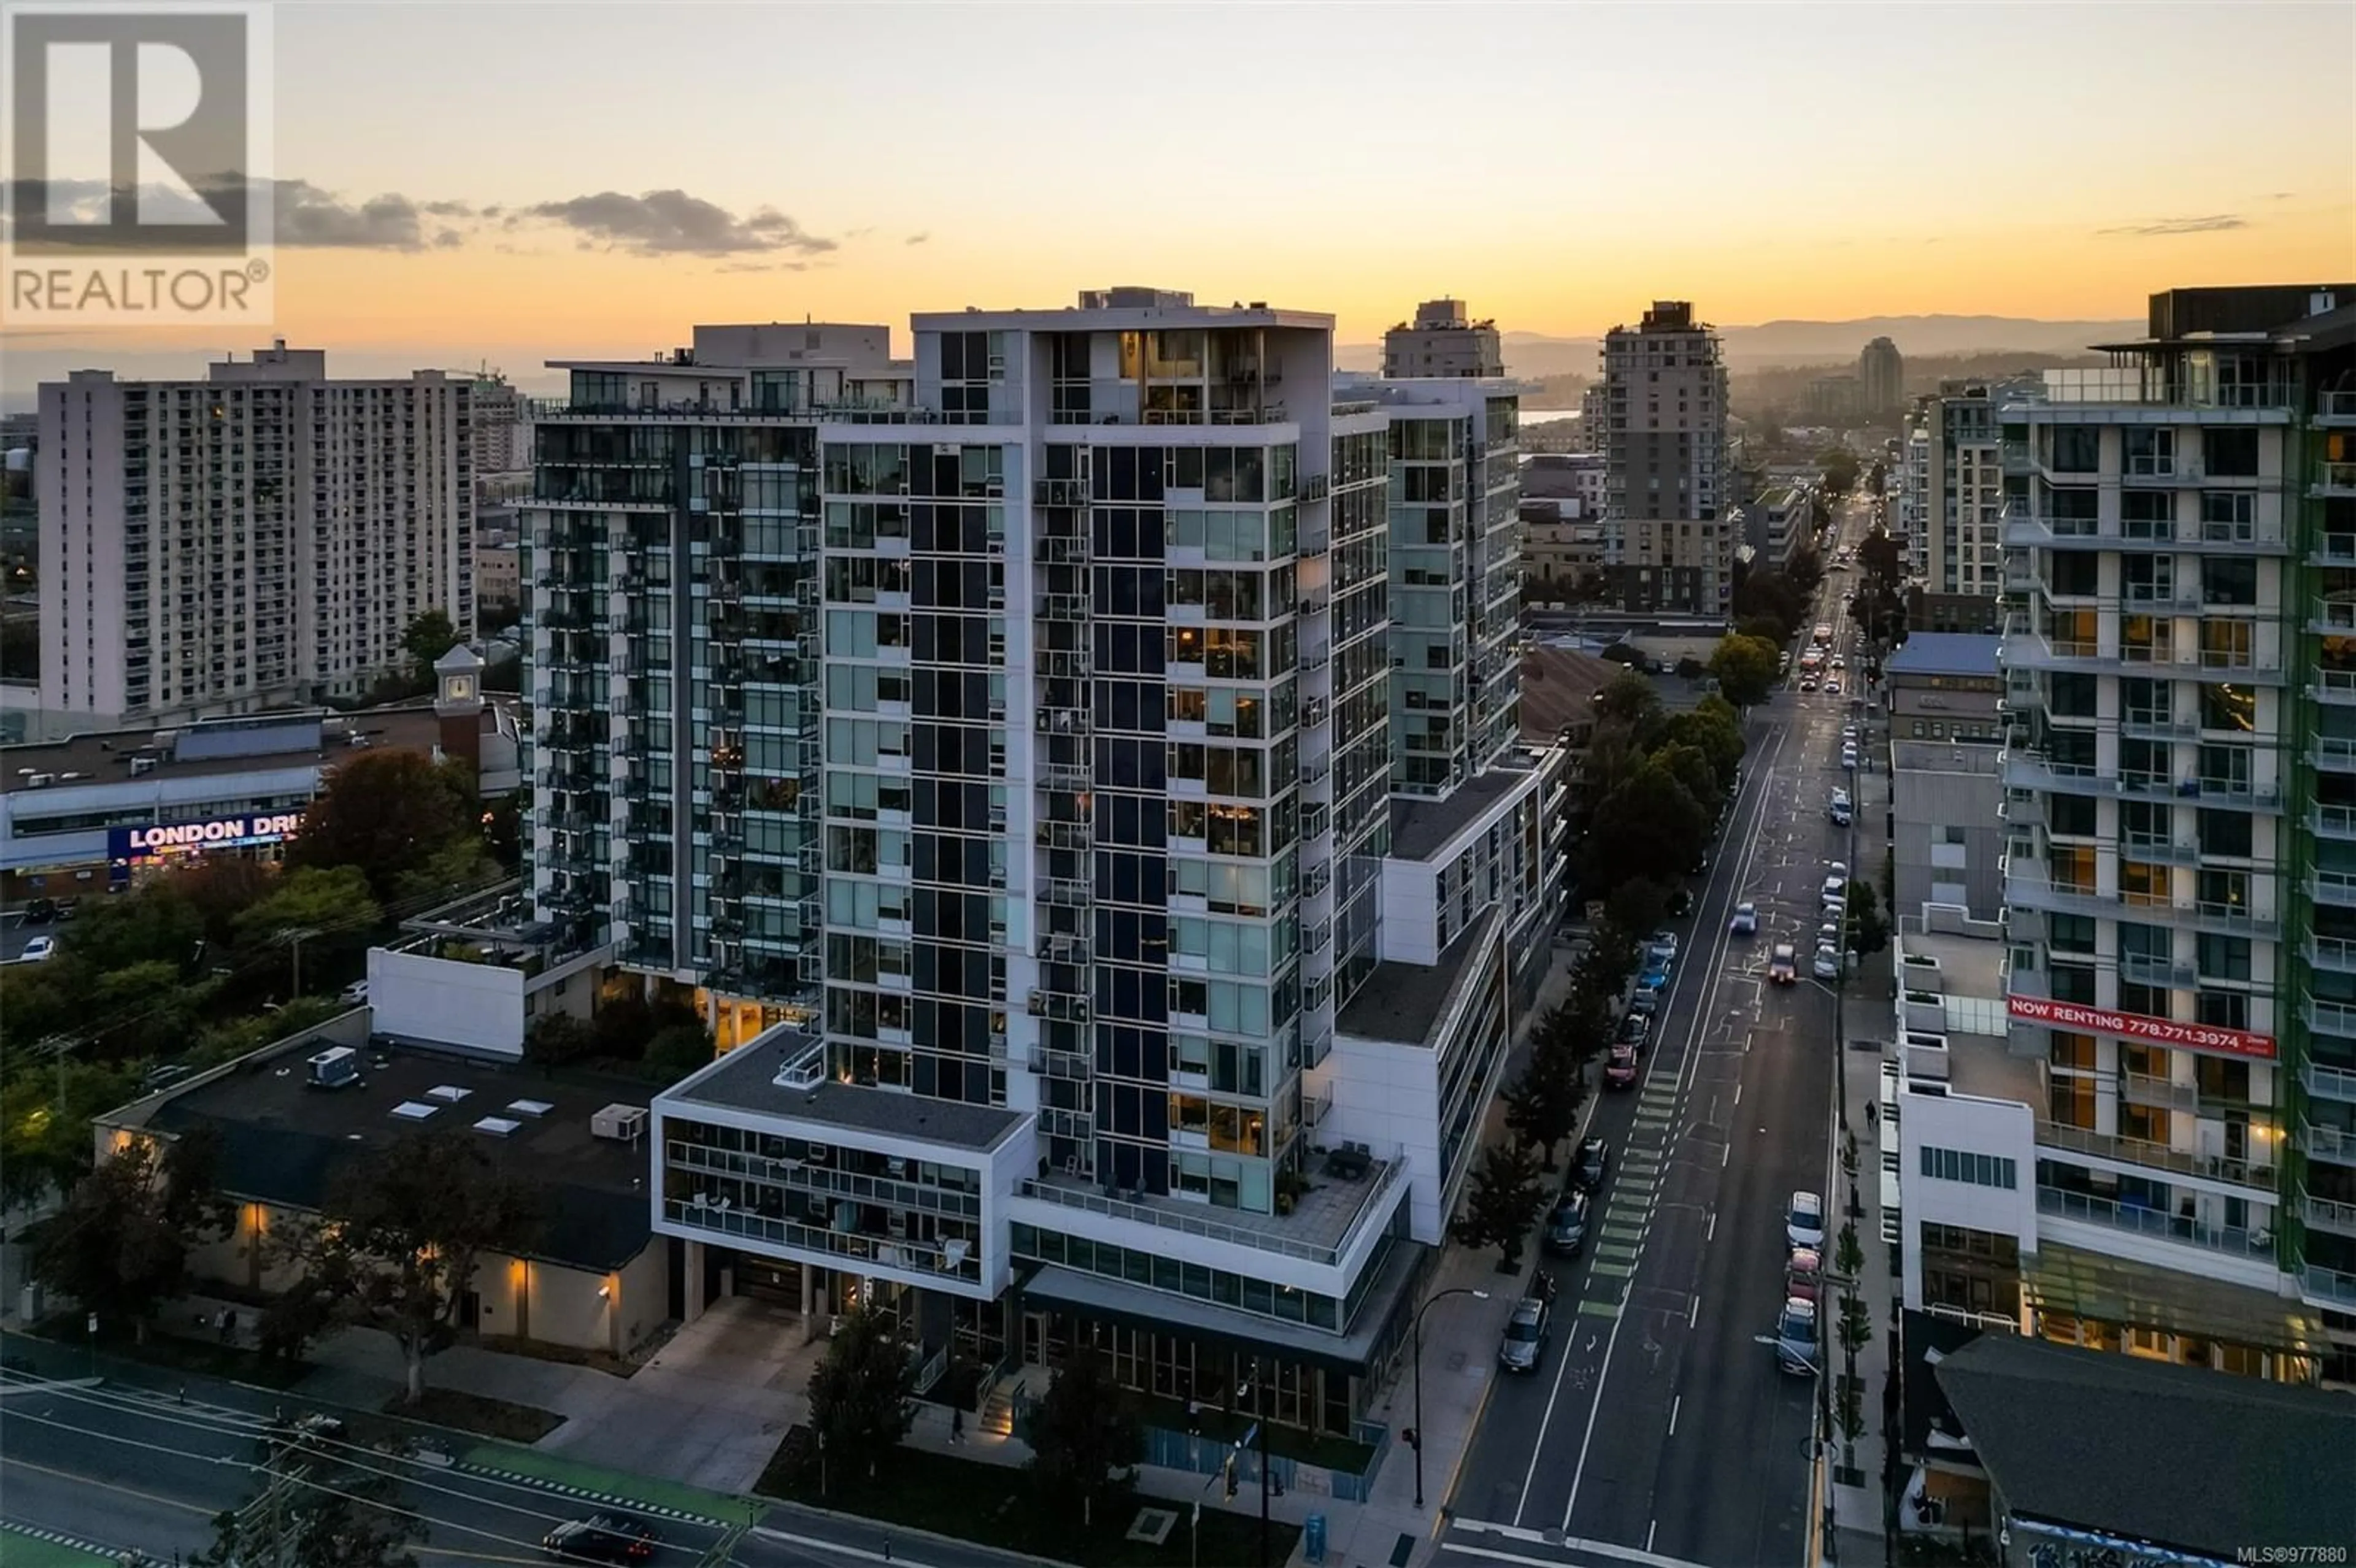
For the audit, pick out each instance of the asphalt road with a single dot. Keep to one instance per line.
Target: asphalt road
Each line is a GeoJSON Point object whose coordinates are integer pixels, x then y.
{"type": "Point", "coordinates": [128, 1466]}
{"type": "Point", "coordinates": [1659, 1423]}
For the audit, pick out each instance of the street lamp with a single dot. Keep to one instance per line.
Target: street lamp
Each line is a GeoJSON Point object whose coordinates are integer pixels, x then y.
{"type": "Point", "coordinates": [1415, 1438]}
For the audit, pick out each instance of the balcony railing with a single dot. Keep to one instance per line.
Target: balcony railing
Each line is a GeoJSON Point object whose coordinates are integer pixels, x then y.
{"type": "Point", "coordinates": [2335, 406]}
{"type": "Point", "coordinates": [2336, 478]}
{"type": "Point", "coordinates": [2329, 1082]}
{"type": "Point", "coordinates": [2327, 1214]}
{"type": "Point", "coordinates": [2158, 1157]}
{"type": "Point", "coordinates": [2328, 1143]}
{"type": "Point", "coordinates": [2329, 1285]}
{"type": "Point", "coordinates": [1177, 1217]}
{"type": "Point", "coordinates": [2333, 685]}
{"type": "Point", "coordinates": [2236, 1242]}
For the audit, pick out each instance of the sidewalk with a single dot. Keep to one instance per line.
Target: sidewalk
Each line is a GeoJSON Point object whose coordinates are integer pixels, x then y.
{"type": "Point", "coordinates": [1458, 1369]}
{"type": "Point", "coordinates": [1866, 1016]}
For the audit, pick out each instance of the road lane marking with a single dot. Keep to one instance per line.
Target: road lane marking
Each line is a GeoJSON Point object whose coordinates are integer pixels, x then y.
{"type": "Point", "coordinates": [1675, 1406]}
{"type": "Point", "coordinates": [1617, 1271]}
{"type": "Point", "coordinates": [1568, 1543]}
{"type": "Point", "coordinates": [110, 1486]}
{"type": "Point", "coordinates": [1693, 1313]}
{"type": "Point", "coordinates": [1713, 1227]}
{"type": "Point", "coordinates": [1589, 1307]}
{"type": "Point", "coordinates": [1617, 1252]}
{"type": "Point", "coordinates": [1763, 779]}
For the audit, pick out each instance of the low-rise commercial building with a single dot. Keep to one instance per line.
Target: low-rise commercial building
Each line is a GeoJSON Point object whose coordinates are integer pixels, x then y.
{"type": "Point", "coordinates": [592, 1278]}
{"type": "Point", "coordinates": [82, 814]}
{"type": "Point", "coordinates": [1946, 687]}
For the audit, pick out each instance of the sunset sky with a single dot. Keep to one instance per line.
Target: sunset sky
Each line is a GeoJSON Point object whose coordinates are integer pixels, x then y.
{"type": "Point", "coordinates": [1556, 163]}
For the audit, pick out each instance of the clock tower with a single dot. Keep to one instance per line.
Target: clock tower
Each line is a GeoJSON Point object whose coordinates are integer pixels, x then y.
{"type": "Point", "coordinates": [458, 702]}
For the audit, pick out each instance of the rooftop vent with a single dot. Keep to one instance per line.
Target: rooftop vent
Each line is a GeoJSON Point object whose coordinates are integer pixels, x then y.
{"type": "Point", "coordinates": [448, 1093]}
{"type": "Point", "coordinates": [622, 1124]}
{"type": "Point", "coordinates": [535, 1109]}
{"type": "Point", "coordinates": [411, 1111]}
{"type": "Point", "coordinates": [498, 1127]}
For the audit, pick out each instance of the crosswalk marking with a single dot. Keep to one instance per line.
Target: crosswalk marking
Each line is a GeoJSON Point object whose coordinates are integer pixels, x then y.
{"type": "Point", "coordinates": [1589, 1307]}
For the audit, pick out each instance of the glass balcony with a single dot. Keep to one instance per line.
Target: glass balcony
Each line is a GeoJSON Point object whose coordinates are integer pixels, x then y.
{"type": "Point", "coordinates": [2326, 1082]}
{"type": "Point", "coordinates": [2332, 754]}
{"type": "Point", "coordinates": [2257, 1172]}
{"type": "Point", "coordinates": [2327, 1287]}
{"type": "Point", "coordinates": [2334, 953]}
{"type": "Point", "coordinates": [2324, 1214]}
{"type": "Point", "coordinates": [2153, 1222]}
{"type": "Point", "coordinates": [2328, 1143]}
{"type": "Point", "coordinates": [2335, 409]}
{"type": "Point", "coordinates": [2336, 686]}
{"type": "Point", "coordinates": [2337, 889]}
{"type": "Point", "coordinates": [2334, 481]}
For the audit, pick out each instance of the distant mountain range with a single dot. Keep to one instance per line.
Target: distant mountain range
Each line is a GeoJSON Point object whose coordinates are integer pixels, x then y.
{"type": "Point", "coordinates": [1534, 354]}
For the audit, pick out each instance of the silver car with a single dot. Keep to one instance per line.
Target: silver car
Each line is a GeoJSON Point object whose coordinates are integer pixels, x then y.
{"type": "Point", "coordinates": [1525, 1343]}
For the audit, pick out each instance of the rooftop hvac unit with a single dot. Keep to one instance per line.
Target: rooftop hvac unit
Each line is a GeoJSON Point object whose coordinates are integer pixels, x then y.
{"type": "Point", "coordinates": [622, 1123]}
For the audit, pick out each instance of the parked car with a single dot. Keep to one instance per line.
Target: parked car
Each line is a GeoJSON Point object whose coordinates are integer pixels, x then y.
{"type": "Point", "coordinates": [1634, 1029]}
{"type": "Point", "coordinates": [1795, 1336]}
{"type": "Point", "coordinates": [1804, 1276]}
{"type": "Point", "coordinates": [40, 912]}
{"type": "Point", "coordinates": [1803, 1220]}
{"type": "Point", "coordinates": [1841, 813]}
{"type": "Point", "coordinates": [1663, 941]}
{"type": "Point", "coordinates": [1849, 758]}
{"type": "Point", "coordinates": [1837, 872]}
{"type": "Point", "coordinates": [1827, 963]}
{"type": "Point", "coordinates": [1592, 1163]}
{"type": "Point", "coordinates": [39, 950]}
{"type": "Point", "coordinates": [355, 993]}
{"type": "Point", "coordinates": [601, 1538]}
{"type": "Point", "coordinates": [1783, 964]}
{"type": "Point", "coordinates": [1620, 1068]}
{"type": "Point", "coordinates": [1566, 1228]}
{"type": "Point", "coordinates": [1746, 919]}
{"type": "Point", "coordinates": [1526, 1331]}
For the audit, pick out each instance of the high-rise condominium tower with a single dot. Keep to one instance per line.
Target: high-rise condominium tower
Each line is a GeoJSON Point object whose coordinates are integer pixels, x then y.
{"type": "Point", "coordinates": [264, 535]}
{"type": "Point", "coordinates": [1444, 340]}
{"type": "Point", "coordinates": [1668, 542]}
{"type": "Point", "coordinates": [999, 741]}
{"type": "Point", "coordinates": [1880, 379]}
{"type": "Point", "coordinates": [2180, 797]}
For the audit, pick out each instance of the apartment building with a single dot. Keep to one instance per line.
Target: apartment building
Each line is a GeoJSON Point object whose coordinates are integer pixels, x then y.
{"type": "Point", "coordinates": [1780, 522]}
{"type": "Point", "coordinates": [1454, 574]}
{"type": "Point", "coordinates": [1444, 340]}
{"type": "Point", "coordinates": [1669, 534]}
{"type": "Point", "coordinates": [501, 417]}
{"type": "Point", "coordinates": [261, 538]}
{"type": "Point", "coordinates": [1880, 379]}
{"type": "Point", "coordinates": [2180, 653]}
{"type": "Point", "coordinates": [1044, 907]}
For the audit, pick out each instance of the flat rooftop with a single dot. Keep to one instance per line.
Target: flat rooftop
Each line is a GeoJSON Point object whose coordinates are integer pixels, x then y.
{"type": "Point", "coordinates": [746, 1080]}
{"type": "Point", "coordinates": [268, 741]}
{"type": "Point", "coordinates": [1323, 1215]}
{"type": "Point", "coordinates": [1945, 653]}
{"type": "Point", "coordinates": [1423, 827]}
{"type": "Point", "coordinates": [1402, 1002]}
{"type": "Point", "coordinates": [284, 1142]}
{"type": "Point", "coordinates": [1979, 1061]}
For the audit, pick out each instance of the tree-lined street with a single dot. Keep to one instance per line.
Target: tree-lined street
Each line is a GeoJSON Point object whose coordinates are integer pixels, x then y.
{"type": "Point", "coordinates": [1661, 1423]}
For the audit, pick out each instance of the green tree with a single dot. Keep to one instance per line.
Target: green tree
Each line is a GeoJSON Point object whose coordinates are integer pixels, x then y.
{"type": "Point", "coordinates": [395, 1244]}
{"type": "Point", "coordinates": [44, 1117]}
{"type": "Point", "coordinates": [1769, 629]}
{"type": "Point", "coordinates": [428, 638]}
{"type": "Point", "coordinates": [1501, 1204]}
{"type": "Point", "coordinates": [1880, 555]}
{"type": "Point", "coordinates": [1542, 1099]}
{"type": "Point", "coordinates": [678, 1049]}
{"type": "Point", "coordinates": [316, 1508]}
{"type": "Point", "coordinates": [1868, 931]}
{"type": "Point", "coordinates": [1085, 1443]}
{"type": "Point", "coordinates": [862, 1395]}
{"type": "Point", "coordinates": [153, 922]}
{"type": "Point", "coordinates": [556, 1039]}
{"type": "Point", "coordinates": [1839, 468]}
{"type": "Point", "coordinates": [460, 863]}
{"type": "Point", "coordinates": [1628, 698]}
{"type": "Point", "coordinates": [386, 811]}
{"type": "Point", "coordinates": [120, 1245]}
{"type": "Point", "coordinates": [311, 898]}
{"type": "Point", "coordinates": [1649, 825]}
{"type": "Point", "coordinates": [1746, 669]}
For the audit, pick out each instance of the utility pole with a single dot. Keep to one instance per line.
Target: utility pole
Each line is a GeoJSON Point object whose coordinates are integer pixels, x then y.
{"type": "Point", "coordinates": [295, 938]}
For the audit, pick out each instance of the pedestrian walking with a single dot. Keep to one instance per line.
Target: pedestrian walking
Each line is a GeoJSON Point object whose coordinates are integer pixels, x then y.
{"type": "Point", "coordinates": [1872, 1109]}
{"type": "Point", "coordinates": [956, 1423]}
